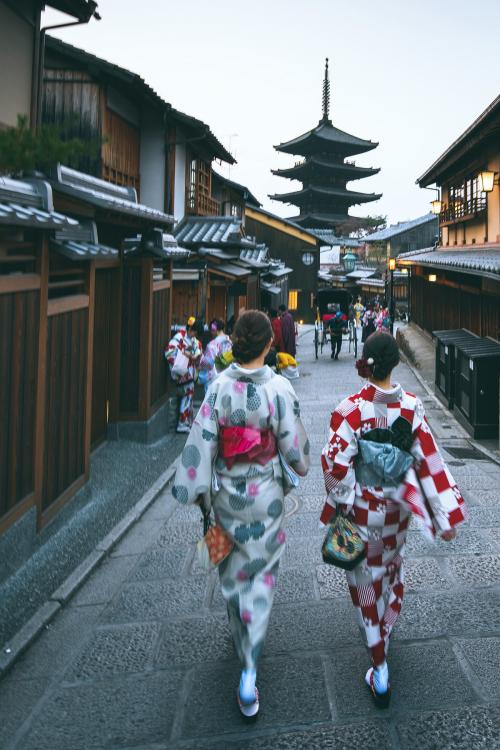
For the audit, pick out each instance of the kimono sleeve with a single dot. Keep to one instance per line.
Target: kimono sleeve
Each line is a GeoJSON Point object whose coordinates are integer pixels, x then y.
{"type": "Point", "coordinates": [194, 473]}
{"type": "Point", "coordinates": [172, 349]}
{"type": "Point", "coordinates": [436, 483]}
{"type": "Point", "coordinates": [207, 361]}
{"type": "Point", "coordinates": [337, 458]}
{"type": "Point", "coordinates": [293, 442]}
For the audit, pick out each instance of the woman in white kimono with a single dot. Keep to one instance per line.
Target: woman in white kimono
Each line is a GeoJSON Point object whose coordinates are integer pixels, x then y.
{"type": "Point", "coordinates": [248, 424]}
{"type": "Point", "coordinates": [220, 344]}
{"type": "Point", "coordinates": [380, 465]}
{"type": "Point", "coordinates": [185, 341]}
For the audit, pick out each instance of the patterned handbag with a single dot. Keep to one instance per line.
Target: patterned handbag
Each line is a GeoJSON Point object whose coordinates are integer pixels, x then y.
{"type": "Point", "coordinates": [216, 544]}
{"type": "Point", "coordinates": [343, 546]}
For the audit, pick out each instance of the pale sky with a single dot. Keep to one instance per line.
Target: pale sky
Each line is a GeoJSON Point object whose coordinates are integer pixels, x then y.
{"type": "Point", "coordinates": [410, 75]}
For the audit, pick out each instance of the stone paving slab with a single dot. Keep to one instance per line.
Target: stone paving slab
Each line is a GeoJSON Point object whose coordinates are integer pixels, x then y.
{"type": "Point", "coordinates": [141, 658]}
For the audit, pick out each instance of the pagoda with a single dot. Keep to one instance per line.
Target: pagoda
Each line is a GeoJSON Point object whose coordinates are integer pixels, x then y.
{"type": "Point", "coordinates": [324, 200]}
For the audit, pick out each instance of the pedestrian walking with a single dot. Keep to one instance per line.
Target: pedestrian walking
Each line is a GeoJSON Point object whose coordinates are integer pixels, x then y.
{"type": "Point", "coordinates": [359, 309]}
{"type": "Point", "coordinates": [219, 345]}
{"type": "Point", "coordinates": [288, 331]}
{"type": "Point", "coordinates": [383, 320]}
{"type": "Point", "coordinates": [337, 326]}
{"type": "Point", "coordinates": [277, 334]}
{"type": "Point", "coordinates": [183, 354]}
{"type": "Point", "coordinates": [245, 437]}
{"type": "Point", "coordinates": [368, 322]}
{"type": "Point", "coordinates": [380, 465]}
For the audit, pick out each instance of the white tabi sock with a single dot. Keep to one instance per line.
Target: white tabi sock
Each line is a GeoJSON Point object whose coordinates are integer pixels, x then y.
{"type": "Point", "coordinates": [247, 686]}
{"type": "Point", "coordinates": [381, 678]}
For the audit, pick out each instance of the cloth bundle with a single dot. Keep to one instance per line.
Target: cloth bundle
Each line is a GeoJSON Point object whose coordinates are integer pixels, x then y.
{"type": "Point", "coordinates": [384, 455]}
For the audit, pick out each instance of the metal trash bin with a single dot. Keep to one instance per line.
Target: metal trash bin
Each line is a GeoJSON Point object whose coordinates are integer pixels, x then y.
{"type": "Point", "coordinates": [445, 362]}
{"type": "Point", "coordinates": [477, 370]}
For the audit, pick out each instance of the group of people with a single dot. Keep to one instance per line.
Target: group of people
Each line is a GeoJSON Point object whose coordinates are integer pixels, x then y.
{"type": "Point", "coordinates": [374, 317]}
{"type": "Point", "coordinates": [246, 442]}
{"type": "Point", "coordinates": [189, 362]}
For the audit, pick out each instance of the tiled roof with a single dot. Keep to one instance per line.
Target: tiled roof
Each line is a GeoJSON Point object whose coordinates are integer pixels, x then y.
{"type": "Point", "coordinates": [155, 243]}
{"type": "Point", "coordinates": [485, 261]}
{"type": "Point", "coordinates": [27, 204]}
{"type": "Point", "coordinates": [105, 195]}
{"type": "Point", "coordinates": [210, 231]}
{"type": "Point", "coordinates": [330, 238]}
{"type": "Point", "coordinates": [245, 193]}
{"type": "Point", "coordinates": [402, 226]}
{"type": "Point", "coordinates": [81, 243]}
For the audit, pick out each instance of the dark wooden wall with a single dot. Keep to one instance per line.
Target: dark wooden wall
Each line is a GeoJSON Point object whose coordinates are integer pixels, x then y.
{"type": "Point", "coordinates": [437, 306]}
{"type": "Point", "coordinates": [19, 325]}
{"type": "Point", "coordinates": [160, 338]}
{"type": "Point", "coordinates": [65, 403]}
{"type": "Point", "coordinates": [130, 340]}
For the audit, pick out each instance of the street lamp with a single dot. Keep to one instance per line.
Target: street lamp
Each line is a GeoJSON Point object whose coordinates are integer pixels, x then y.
{"type": "Point", "coordinates": [392, 268]}
{"type": "Point", "coordinates": [349, 261]}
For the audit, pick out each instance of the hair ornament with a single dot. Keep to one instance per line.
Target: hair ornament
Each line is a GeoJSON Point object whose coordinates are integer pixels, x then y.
{"type": "Point", "coordinates": [365, 367]}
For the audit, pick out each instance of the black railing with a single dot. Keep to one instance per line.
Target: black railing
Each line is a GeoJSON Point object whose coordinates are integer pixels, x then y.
{"type": "Point", "coordinates": [462, 210]}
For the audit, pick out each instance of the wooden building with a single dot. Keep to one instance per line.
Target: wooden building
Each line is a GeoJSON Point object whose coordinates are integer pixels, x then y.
{"type": "Point", "coordinates": [226, 272]}
{"type": "Point", "coordinates": [297, 248]}
{"type": "Point", "coordinates": [21, 53]}
{"type": "Point", "coordinates": [457, 284]}
{"type": "Point", "coordinates": [84, 326]}
{"type": "Point", "coordinates": [139, 139]}
{"type": "Point", "coordinates": [324, 200]}
{"type": "Point", "coordinates": [403, 237]}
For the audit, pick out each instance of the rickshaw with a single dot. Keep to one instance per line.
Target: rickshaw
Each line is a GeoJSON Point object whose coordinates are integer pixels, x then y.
{"type": "Point", "coordinates": [328, 303]}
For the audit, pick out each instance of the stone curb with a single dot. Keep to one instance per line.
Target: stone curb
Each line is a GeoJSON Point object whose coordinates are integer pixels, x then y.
{"type": "Point", "coordinates": [22, 640]}
{"type": "Point", "coordinates": [27, 634]}
{"type": "Point", "coordinates": [489, 454]}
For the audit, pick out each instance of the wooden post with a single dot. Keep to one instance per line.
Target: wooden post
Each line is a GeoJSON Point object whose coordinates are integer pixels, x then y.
{"type": "Point", "coordinates": [88, 371]}
{"type": "Point", "coordinates": [146, 338]}
{"type": "Point", "coordinates": [41, 378]}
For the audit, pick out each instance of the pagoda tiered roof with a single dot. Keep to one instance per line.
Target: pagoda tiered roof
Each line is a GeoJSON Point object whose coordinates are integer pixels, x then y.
{"type": "Point", "coordinates": [311, 220]}
{"type": "Point", "coordinates": [326, 139]}
{"type": "Point", "coordinates": [307, 194]}
{"type": "Point", "coordinates": [324, 200]}
{"type": "Point", "coordinates": [316, 165]}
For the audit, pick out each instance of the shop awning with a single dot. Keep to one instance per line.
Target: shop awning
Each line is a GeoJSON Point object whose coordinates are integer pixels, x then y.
{"type": "Point", "coordinates": [229, 270]}
{"type": "Point", "coordinates": [271, 288]}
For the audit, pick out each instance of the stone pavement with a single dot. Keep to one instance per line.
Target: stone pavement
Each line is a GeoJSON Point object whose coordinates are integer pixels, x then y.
{"type": "Point", "coordinates": [142, 658]}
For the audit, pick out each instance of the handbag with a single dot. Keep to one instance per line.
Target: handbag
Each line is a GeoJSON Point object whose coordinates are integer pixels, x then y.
{"type": "Point", "coordinates": [180, 366]}
{"type": "Point", "coordinates": [343, 546]}
{"type": "Point", "coordinates": [216, 544]}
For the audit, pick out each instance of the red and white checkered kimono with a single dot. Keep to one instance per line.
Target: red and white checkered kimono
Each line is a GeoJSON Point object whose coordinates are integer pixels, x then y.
{"type": "Point", "coordinates": [382, 514]}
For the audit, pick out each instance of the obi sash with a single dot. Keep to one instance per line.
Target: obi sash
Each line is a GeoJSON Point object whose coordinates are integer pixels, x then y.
{"type": "Point", "coordinates": [246, 445]}
{"type": "Point", "coordinates": [384, 455]}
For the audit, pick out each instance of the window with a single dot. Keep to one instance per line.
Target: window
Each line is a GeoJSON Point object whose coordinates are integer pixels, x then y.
{"type": "Point", "coordinates": [293, 299]}
{"type": "Point", "coordinates": [235, 210]}
{"type": "Point", "coordinates": [307, 259]}
{"type": "Point", "coordinates": [192, 185]}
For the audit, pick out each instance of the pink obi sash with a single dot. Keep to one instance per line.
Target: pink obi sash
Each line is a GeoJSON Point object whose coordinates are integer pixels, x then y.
{"type": "Point", "coordinates": [246, 445]}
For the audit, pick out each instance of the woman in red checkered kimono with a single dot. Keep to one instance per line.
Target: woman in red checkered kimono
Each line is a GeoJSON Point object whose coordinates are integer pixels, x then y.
{"type": "Point", "coordinates": [384, 413]}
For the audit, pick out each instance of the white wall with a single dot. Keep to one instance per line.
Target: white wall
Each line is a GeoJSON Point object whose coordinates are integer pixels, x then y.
{"type": "Point", "coordinates": [16, 61]}
{"type": "Point", "coordinates": [152, 166]}
{"type": "Point", "coordinates": [180, 182]}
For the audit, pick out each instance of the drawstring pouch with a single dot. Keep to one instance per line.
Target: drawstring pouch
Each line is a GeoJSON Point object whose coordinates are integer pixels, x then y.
{"type": "Point", "coordinates": [343, 546]}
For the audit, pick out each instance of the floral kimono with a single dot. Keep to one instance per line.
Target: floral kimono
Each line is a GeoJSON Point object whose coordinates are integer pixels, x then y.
{"type": "Point", "coordinates": [215, 348]}
{"type": "Point", "coordinates": [382, 514]}
{"type": "Point", "coordinates": [258, 412]}
{"type": "Point", "coordinates": [183, 343]}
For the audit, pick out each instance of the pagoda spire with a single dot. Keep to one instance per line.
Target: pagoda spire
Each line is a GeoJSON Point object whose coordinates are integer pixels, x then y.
{"type": "Point", "coordinates": [326, 94]}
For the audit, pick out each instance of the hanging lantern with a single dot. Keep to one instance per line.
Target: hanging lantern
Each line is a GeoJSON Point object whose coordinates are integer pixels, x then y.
{"type": "Point", "coordinates": [349, 261]}
{"type": "Point", "coordinates": [486, 180]}
{"type": "Point", "coordinates": [436, 206]}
